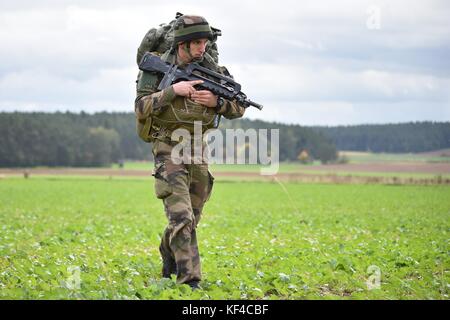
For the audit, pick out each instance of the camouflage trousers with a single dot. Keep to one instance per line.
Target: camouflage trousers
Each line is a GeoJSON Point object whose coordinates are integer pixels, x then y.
{"type": "Point", "coordinates": [184, 189]}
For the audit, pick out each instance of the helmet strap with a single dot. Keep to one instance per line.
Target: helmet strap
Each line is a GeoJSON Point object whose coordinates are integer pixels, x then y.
{"type": "Point", "coordinates": [187, 49]}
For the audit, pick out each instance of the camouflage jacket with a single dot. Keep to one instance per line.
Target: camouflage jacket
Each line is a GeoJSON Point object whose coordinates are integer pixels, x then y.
{"type": "Point", "coordinates": [172, 111]}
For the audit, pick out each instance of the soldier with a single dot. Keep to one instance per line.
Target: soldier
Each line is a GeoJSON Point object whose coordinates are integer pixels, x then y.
{"type": "Point", "coordinates": [184, 188]}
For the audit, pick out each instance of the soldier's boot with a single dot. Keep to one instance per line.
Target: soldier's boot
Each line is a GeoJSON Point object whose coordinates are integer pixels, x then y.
{"type": "Point", "coordinates": [169, 267]}
{"type": "Point", "coordinates": [194, 284]}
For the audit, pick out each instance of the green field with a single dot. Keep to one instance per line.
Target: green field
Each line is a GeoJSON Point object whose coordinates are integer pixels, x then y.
{"type": "Point", "coordinates": [257, 241]}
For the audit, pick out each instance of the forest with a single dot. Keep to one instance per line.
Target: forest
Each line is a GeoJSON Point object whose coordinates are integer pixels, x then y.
{"type": "Point", "coordinates": [100, 139]}
{"type": "Point", "coordinates": [412, 137]}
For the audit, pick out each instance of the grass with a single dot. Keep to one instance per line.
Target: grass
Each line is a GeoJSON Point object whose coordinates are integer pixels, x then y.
{"type": "Point", "coordinates": [257, 241]}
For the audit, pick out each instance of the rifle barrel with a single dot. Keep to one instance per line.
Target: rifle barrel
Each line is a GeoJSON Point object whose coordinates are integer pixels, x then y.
{"type": "Point", "coordinates": [254, 104]}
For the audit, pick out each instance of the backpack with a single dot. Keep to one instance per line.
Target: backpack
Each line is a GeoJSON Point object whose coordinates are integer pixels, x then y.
{"type": "Point", "coordinates": [158, 41]}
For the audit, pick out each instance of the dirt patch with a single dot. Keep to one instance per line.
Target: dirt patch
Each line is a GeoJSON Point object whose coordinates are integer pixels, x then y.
{"type": "Point", "coordinates": [428, 168]}
{"type": "Point", "coordinates": [77, 172]}
{"type": "Point", "coordinates": [436, 153]}
{"type": "Point", "coordinates": [328, 174]}
{"type": "Point", "coordinates": [407, 167]}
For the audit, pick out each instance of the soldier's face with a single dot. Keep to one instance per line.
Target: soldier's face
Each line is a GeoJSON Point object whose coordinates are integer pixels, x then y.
{"type": "Point", "coordinates": [198, 48]}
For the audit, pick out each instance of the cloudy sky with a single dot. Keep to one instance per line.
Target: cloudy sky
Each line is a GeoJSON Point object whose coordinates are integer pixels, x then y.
{"type": "Point", "coordinates": [308, 62]}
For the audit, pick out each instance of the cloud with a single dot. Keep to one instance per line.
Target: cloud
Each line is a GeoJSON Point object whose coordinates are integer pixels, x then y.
{"type": "Point", "coordinates": [291, 56]}
{"type": "Point", "coordinates": [345, 113]}
{"type": "Point", "coordinates": [312, 82]}
{"type": "Point", "coordinates": [98, 93]}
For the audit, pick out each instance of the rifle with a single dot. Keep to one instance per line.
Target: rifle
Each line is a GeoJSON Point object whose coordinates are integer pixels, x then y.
{"type": "Point", "coordinates": [221, 85]}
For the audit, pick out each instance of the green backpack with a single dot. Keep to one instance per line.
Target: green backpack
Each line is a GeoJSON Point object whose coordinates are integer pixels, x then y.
{"type": "Point", "coordinates": [158, 41]}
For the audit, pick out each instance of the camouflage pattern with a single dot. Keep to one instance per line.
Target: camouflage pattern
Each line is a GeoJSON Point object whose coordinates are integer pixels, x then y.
{"type": "Point", "coordinates": [189, 28]}
{"type": "Point", "coordinates": [158, 110]}
{"type": "Point", "coordinates": [156, 40]}
{"type": "Point", "coordinates": [184, 189]}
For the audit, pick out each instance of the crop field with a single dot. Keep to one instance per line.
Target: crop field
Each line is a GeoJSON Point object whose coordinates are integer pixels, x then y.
{"type": "Point", "coordinates": [85, 238]}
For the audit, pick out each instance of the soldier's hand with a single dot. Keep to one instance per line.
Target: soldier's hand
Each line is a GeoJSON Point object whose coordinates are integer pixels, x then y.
{"type": "Point", "coordinates": [185, 88]}
{"type": "Point", "coordinates": [205, 97]}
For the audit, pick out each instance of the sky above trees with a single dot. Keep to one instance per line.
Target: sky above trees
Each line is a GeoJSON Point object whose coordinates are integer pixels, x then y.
{"type": "Point", "coordinates": [308, 62]}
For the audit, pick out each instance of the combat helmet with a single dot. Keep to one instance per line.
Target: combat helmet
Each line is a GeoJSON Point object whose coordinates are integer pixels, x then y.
{"type": "Point", "coordinates": [188, 28]}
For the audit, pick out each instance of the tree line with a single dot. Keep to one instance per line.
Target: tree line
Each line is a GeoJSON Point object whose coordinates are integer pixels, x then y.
{"type": "Point", "coordinates": [391, 138]}
{"type": "Point", "coordinates": [82, 139]}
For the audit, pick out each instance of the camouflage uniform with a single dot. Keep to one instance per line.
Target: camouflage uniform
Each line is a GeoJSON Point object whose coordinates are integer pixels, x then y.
{"type": "Point", "coordinates": [184, 188]}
